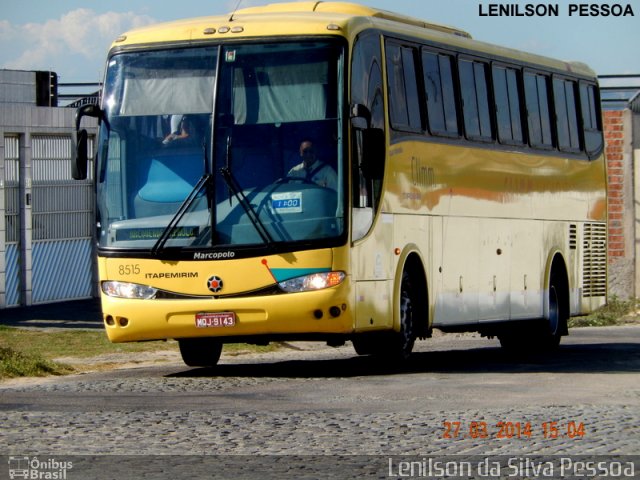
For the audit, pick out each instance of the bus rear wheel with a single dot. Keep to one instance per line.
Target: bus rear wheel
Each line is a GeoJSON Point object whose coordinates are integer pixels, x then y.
{"type": "Point", "coordinates": [550, 332]}
{"type": "Point", "coordinates": [544, 335]}
{"type": "Point", "coordinates": [200, 352]}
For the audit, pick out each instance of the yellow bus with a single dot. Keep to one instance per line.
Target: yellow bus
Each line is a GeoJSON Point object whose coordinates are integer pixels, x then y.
{"type": "Point", "coordinates": [332, 172]}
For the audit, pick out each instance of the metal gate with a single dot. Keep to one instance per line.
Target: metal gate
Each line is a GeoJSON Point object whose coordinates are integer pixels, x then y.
{"type": "Point", "coordinates": [62, 223]}
{"type": "Point", "coordinates": [12, 220]}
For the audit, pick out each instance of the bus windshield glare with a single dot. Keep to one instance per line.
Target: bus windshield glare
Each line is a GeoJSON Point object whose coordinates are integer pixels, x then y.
{"type": "Point", "coordinates": [207, 147]}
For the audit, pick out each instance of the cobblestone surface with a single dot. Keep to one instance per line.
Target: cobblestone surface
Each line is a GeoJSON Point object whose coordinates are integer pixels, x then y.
{"type": "Point", "coordinates": [607, 431]}
{"type": "Point", "coordinates": [163, 411]}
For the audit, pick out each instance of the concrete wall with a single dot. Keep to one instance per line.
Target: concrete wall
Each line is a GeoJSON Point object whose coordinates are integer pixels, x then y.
{"type": "Point", "coordinates": [635, 159]}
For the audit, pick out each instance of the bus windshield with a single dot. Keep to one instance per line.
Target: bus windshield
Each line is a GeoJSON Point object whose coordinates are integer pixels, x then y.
{"type": "Point", "coordinates": [218, 146]}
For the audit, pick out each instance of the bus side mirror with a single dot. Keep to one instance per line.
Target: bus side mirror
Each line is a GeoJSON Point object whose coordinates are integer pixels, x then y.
{"type": "Point", "coordinates": [360, 117]}
{"type": "Point", "coordinates": [374, 146]}
{"type": "Point", "coordinates": [81, 160]}
{"type": "Point", "coordinates": [373, 142]}
{"type": "Point", "coordinates": [79, 164]}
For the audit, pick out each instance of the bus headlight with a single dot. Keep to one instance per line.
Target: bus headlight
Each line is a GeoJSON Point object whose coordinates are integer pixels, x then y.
{"type": "Point", "coordinates": [315, 281]}
{"type": "Point", "coordinates": [128, 290]}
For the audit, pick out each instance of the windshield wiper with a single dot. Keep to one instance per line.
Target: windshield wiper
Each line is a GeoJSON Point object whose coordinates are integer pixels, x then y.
{"type": "Point", "coordinates": [175, 220]}
{"type": "Point", "coordinates": [246, 205]}
{"type": "Point", "coordinates": [237, 192]}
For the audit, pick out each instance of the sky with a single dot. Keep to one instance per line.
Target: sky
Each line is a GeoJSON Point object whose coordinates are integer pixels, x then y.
{"type": "Point", "coordinates": [72, 37]}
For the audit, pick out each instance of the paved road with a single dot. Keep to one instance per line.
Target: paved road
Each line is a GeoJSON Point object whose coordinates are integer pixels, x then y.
{"type": "Point", "coordinates": [459, 395]}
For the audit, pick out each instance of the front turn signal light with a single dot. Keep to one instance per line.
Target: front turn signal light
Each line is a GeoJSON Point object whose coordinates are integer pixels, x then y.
{"type": "Point", "coordinates": [128, 290]}
{"type": "Point", "coordinates": [314, 281]}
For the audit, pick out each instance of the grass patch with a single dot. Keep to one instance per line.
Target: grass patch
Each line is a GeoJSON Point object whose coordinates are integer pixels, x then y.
{"type": "Point", "coordinates": [71, 343]}
{"type": "Point", "coordinates": [31, 352]}
{"type": "Point", "coordinates": [18, 364]}
{"type": "Point", "coordinates": [615, 312]}
{"type": "Point", "coordinates": [240, 348]}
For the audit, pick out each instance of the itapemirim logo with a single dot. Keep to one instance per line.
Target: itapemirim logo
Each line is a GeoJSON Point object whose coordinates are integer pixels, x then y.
{"type": "Point", "coordinates": [34, 468]}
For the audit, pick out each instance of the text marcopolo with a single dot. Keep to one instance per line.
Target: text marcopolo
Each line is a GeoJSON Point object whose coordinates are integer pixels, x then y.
{"type": "Point", "coordinates": [555, 10]}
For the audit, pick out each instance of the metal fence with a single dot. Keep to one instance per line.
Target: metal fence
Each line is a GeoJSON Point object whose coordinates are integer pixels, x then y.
{"type": "Point", "coordinates": [11, 187]}
{"type": "Point", "coordinates": [46, 218]}
{"type": "Point", "coordinates": [62, 219]}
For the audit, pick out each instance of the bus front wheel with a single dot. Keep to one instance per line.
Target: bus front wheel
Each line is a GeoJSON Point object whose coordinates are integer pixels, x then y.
{"type": "Point", "coordinates": [406, 337]}
{"type": "Point", "coordinates": [393, 345]}
{"type": "Point", "coordinates": [200, 352]}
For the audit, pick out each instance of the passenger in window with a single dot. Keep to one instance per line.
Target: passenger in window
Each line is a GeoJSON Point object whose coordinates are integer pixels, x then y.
{"type": "Point", "coordinates": [180, 129]}
{"type": "Point", "coordinates": [312, 169]}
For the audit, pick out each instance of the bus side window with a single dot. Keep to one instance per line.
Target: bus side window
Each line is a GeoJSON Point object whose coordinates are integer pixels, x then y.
{"type": "Point", "coordinates": [538, 113]}
{"type": "Point", "coordinates": [590, 119]}
{"type": "Point", "coordinates": [507, 99]}
{"type": "Point", "coordinates": [404, 101]}
{"type": "Point", "coordinates": [564, 99]}
{"type": "Point", "coordinates": [442, 116]}
{"type": "Point", "coordinates": [475, 100]}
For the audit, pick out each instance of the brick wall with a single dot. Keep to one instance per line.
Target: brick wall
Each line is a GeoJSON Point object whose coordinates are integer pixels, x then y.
{"type": "Point", "coordinates": [618, 126]}
{"type": "Point", "coordinates": [614, 150]}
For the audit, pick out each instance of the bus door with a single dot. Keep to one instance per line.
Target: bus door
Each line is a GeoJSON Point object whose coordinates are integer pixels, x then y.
{"type": "Point", "coordinates": [371, 231]}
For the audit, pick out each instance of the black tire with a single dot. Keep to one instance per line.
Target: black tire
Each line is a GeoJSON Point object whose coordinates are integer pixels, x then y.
{"type": "Point", "coordinates": [551, 331]}
{"type": "Point", "coordinates": [546, 334]}
{"type": "Point", "coordinates": [369, 343]}
{"type": "Point", "coordinates": [393, 345]}
{"type": "Point", "coordinates": [406, 338]}
{"type": "Point", "coordinates": [200, 352]}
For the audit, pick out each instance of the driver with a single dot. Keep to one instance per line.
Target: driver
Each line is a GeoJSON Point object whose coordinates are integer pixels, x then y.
{"type": "Point", "coordinates": [312, 169]}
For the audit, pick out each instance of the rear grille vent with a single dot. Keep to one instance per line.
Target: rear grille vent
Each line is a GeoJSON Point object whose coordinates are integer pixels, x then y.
{"type": "Point", "coordinates": [573, 237]}
{"type": "Point", "coordinates": [594, 277]}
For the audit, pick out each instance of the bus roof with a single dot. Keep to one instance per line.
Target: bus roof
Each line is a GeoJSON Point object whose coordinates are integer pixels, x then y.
{"type": "Point", "coordinates": [350, 9]}
{"type": "Point", "coordinates": [323, 18]}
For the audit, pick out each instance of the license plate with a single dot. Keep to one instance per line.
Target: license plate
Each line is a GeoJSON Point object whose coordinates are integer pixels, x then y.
{"type": "Point", "coordinates": [215, 320]}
